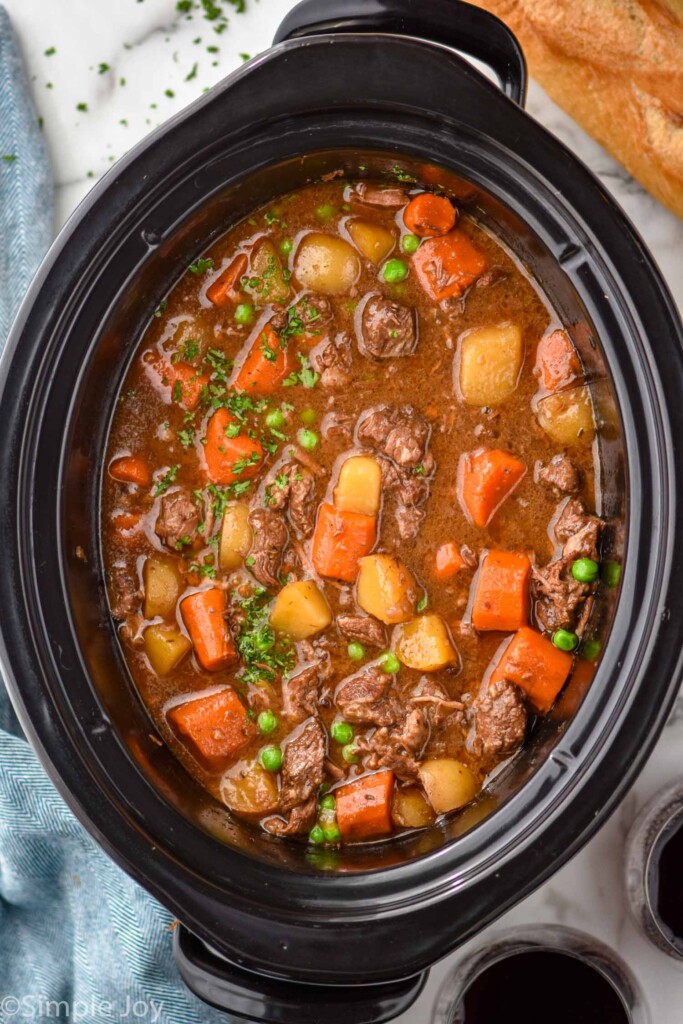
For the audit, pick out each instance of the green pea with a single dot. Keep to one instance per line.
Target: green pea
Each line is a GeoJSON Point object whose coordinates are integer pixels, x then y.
{"type": "Point", "coordinates": [328, 803]}
{"type": "Point", "coordinates": [308, 439]}
{"type": "Point", "coordinates": [286, 246]}
{"type": "Point", "coordinates": [389, 663]}
{"type": "Point", "coordinates": [394, 271]}
{"type": "Point", "coordinates": [355, 651]}
{"type": "Point", "coordinates": [342, 732]}
{"type": "Point", "coordinates": [244, 313]}
{"type": "Point", "coordinates": [326, 211]}
{"type": "Point", "coordinates": [271, 759]}
{"type": "Point", "coordinates": [565, 640]}
{"type": "Point", "coordinates": [612, 574]}
{"type": "Point", "coordinates": [585, 570]}
{"type": "Point", "coordinates": [350, 754]}
{"type": "Point", "coordinates": [410, 243]}
{"type": "Point", "coordinates": [316, 835]}
{"type": "Point", "coordinates": [275, 419]}
{"type": "Point", "coordinates": [591, 650]}
{"type": "Point", "coordinates": [332, 833]}
{"type": "Point", "coordinates": [268, 721]}
{"type": "Point", "coordinates": [309, 416]}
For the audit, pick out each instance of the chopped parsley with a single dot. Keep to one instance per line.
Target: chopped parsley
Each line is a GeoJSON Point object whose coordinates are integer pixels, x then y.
{"type": "Point", "coordinates": [177, 392]}
{"type": "Point", "coordinates": [51, 51]}
{"type": "Point", "coordinates": [205, 569]}
{"type": "Point", "coordinates": [160, 308]}
{"type": "Point", "coordinates": [102, 69]}
{"type": "Point", "coordinates": [419, 470]}
{"type": "Point", "coordinates": [187, 351]}
{"type": "Point", "coordinates": [9, 158]}
{"type": "Point", "coordinates": [306, 376]}
{"type": "Point", "coordinates": [422, 603]}
{"type": "Point", "coordinates": [202, 264]}
{"type": "Point", "coordinates": [193, 73]}
{"type": "Point", "coordinates": [401, 174]}
{"type": "Point", "coordinates": [186, 436]}
{"type": "Point", "coordinates": [82, 106]}
{"type": "Point", "coordinates": [184, 542]}
{"type": "Point", "coordinates": [166, 480]}
{"type": "Point", "coordinates": [245, 57]}
{"type": "Point", "coordinates": [264, 655]}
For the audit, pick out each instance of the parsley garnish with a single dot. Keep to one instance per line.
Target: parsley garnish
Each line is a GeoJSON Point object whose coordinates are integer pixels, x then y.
{"type": "Point", "coordinates": [264, 655]}
{"type": "Point", "coordinates": [401, 174]}
{"type": "Point", "coordinates": [202, 264]}
{"type": "Point", "coordinates": [102, 69]}
{"type": "Point", "coordinates": [207, 569]}
{"type": "Point", "coordinates": [306, 376]}
{"type": "Point", "coordinates": [188, 351]}
{"type": "Point", "coordinates": [193, 73]}
{"type": "Point", "coordinates": [166, 480]}
{"type": "Point", "coordinates": [9, 158]}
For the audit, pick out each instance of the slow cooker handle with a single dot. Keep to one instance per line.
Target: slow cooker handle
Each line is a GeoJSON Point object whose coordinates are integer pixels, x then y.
{"type": "Point", "coordinates": [469, 29]}
{"type": "Point", "coordinates": [247, 996]}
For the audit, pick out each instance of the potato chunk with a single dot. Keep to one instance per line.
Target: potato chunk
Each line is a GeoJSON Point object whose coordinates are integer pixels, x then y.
{"type": "Point", "coordinates": [163, 586]}
{"type": "Point", "coordinates": [266, 279]}
{"type": "Point", "coordinates": [372, 240]}
{"type": "Point", "coordinates": [300, 610]}
{"type": "Point", "coordinates": [424, 644]}
{"type": "Point", "coordinates": [448, 783]}
{"type": "Point", "coordinates": [236, 536]}
{"type": "Point", "coordinates": [490, 361]}
{"type": "Point", "coordinates": [165, 648]}
{"type": "Point", "coordinates": [410, 809]}
{"type": "Point", "coordinates": [326, 264]}
{"type": "Point", "coordinates": [386, 588]}
{"type": "Point", "coordinates": [248, 789]}
{"type": "Point", "coordinates": [359, 486]}
{"type": "Point", "coordinates": [567, 416]}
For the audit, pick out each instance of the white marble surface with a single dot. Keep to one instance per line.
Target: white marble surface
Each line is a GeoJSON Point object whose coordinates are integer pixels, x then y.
{"type": "Point", "coordinates": [149, 48]}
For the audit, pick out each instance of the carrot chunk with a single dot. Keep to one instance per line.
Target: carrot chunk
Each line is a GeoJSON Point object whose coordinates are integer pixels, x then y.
{"type": "Point", "coordinates": [501, 600]}
{"type": "Point", "coordinates": [128, 469]}
{"type": "Point", "coordinates": [534, 663]}
{"type": "Point", "coordinates": [487, 477]}
{"type": "Point", "coordinates": [557, 361]}
{"type": "Point", "coordinates": [364, 806]}
{"type": "Point", "coordinates": [428, 214]}
{"type": "Point", "coordinates": [226, 284]}
{"type": "Point", "coordinates": [340, 540]}
{"type": "Point", "coordinates": [213, 728]}
{"type": "Point", "coordinates": [203, 614]}
{"type": "Point", "coordinates": [448, 561]}
{"type": "Point", "coordinates": [448, 265]}
{"type": "Point", "coordinates": [268, 363]}
{"type": "Point", "coordinates": [185, 381]}
{"type": "Point", "coordinates": [230, 458]}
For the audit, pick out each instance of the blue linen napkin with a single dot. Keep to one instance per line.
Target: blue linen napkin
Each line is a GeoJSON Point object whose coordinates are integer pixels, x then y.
{"type": "Point", "coordinates": [79, 940]}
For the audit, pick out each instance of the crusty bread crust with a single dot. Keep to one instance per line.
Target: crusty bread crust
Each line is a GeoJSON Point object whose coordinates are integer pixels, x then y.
{"type": "Point", "coordinates": [617, 67]}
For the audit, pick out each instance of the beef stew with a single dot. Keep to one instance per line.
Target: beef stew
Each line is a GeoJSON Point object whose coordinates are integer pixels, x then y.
{"type": "Point", "coordinates": [350, 516]}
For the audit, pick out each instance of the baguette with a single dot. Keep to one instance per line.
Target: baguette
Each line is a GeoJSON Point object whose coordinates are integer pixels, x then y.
{"type": "Point", "coordinates": [616, 66]}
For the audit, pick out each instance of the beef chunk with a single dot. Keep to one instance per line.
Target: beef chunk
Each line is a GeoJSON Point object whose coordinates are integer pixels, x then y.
{"type": "Point", "coordinates": [399, 747]}
{"type": "Point", "coordinates": [270, 540]}
{"type": "Point", "coordinates": [388, 329]}
{"type": "Point", "coordinates": [409, 521]}
{"type": "Point", "coordinates": [560, 476]}
{"type": "Point", "coordinates": [294, 486]}
{"type": "Point", "coordinates": [493, 276]}
{"type": "Point", "coordinates": [303, 766]}
{"type": "Point", "coordinates": [364, 698]}
{"type": "Point", "coordinates": [374, 195]}
{"type": "Point", "coordinates": [124, 592]}
{"type": "Point", "coordinates": [308, 314]}
{"type": "Point", "coordinates": [578, 531]}
{"type": "Point", "coordinates": [178, 519]}
{"type": "Point", "coordinates": [498, 721]}
{"type": "Point", "coordinates": [558, 596]}
{"type": "Point", "coordinates": [301, 693]}
{"type": "Point", "coordinates": [399, 432]}
{"type": "Point", "coordinates": [412, 488]}
{"type": "Point", "coordinates": [301, 819]}
{"type": "Point", "coordinates": [363, 628]}
{"type": "Point", "coordinates": [333, 362]}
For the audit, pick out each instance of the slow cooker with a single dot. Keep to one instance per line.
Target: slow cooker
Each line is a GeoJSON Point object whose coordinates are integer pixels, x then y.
{"type": "Point", "coordinates": [268, 930]}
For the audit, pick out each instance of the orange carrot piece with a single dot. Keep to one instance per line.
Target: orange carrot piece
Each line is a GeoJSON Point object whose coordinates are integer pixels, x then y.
{"type": "Point", "coordinates": [557, 361]}
{"type": "Point", "coordinates": [448, 265]}
{"type": "Point", "coordinates": [268, 363]}
{"type": "Point", "coordinates": [448, 561]}
{"type": "Point", "coordinates": [501, 600]}
{"type": "Point", "coordinates": [126, 522]}
{"type": "Point", "coordinates": [128, 469]}
{"type": "Point", "coordinates": [534, 663]}
{"type": "Point", "coordinates": [364, 806]}
{"type": "Point", "coordinates": [203, 615]}
{"type": "Point", "coordinates": [230, 458]}
{"type": "Point", "coordinates": [226, 284]}
{"type": "Point", "coordinates": [185, 381]}
{"type": "Point", "coordinates": [487, 477]}
{"type": "Point", "coordinates": [213, 728]}
{"type": "Point", "coordinates": [428, 214]}
{"type": "Point", "coordinates": [340, 539]}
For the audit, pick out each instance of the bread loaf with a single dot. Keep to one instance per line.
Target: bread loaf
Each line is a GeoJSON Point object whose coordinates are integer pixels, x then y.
{"type": "Point", "coordinates": [616, 66]}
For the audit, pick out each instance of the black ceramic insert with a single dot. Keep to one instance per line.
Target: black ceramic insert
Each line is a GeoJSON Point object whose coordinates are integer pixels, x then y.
{"type": "Point", "coordinates": [385, 911]}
